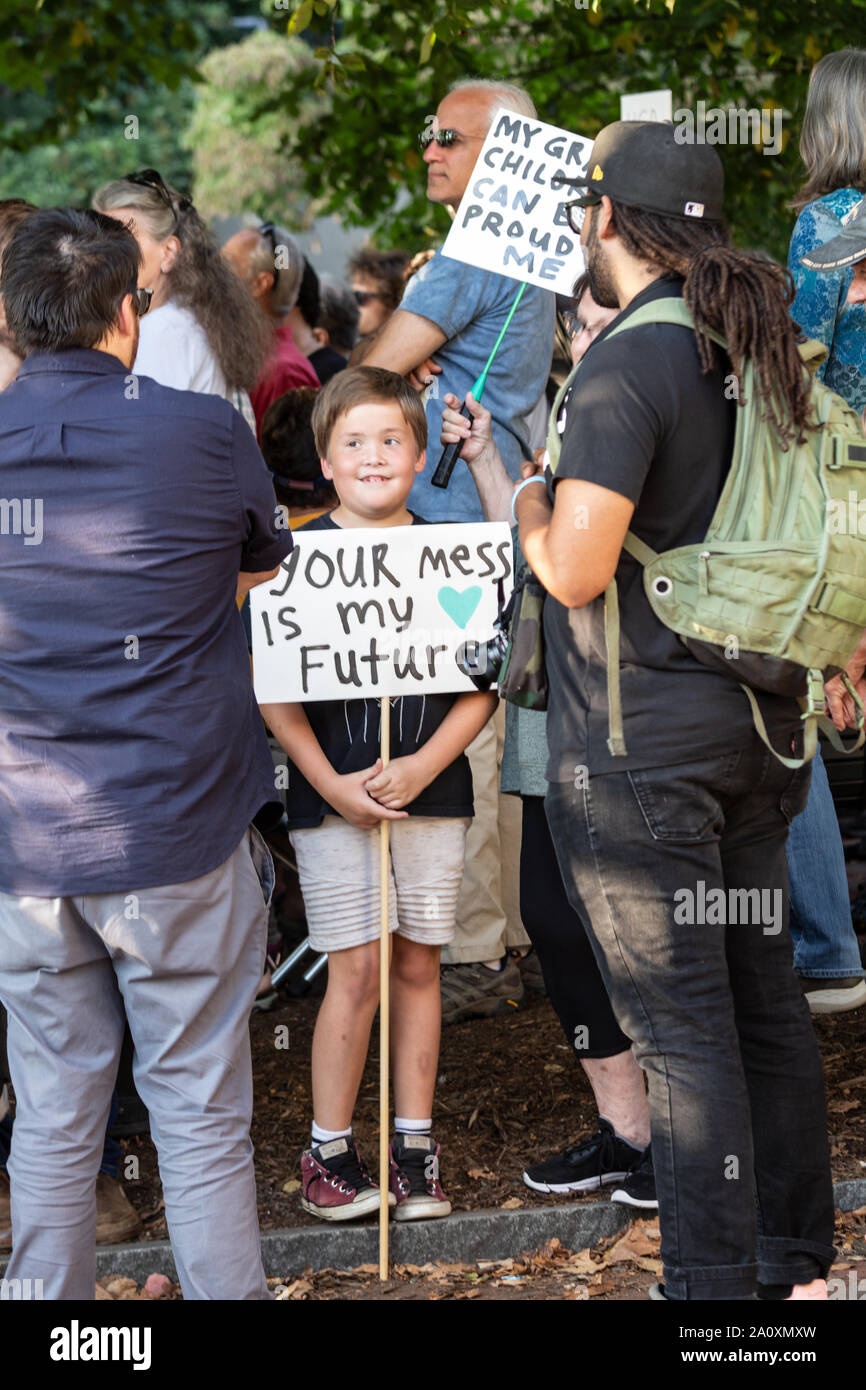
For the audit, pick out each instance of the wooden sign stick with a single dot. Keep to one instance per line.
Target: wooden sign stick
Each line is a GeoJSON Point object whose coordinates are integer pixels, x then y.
{"type": "Point", "coordinates": [384, 1003]}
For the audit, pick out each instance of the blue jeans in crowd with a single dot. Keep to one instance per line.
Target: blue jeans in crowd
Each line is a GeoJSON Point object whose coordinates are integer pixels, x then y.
{"type": "Point", "coordinates": [825, 943]}
{"type": "Point", "coordinates": [717, 1016]}
{"type": "Point", "coordinates": [111, 1154]}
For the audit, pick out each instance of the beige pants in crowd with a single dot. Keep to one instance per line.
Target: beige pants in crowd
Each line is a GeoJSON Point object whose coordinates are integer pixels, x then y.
{"type": "Point", "coordinates": [488, 907]}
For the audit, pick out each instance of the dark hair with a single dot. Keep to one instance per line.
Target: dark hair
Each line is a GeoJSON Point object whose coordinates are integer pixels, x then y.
{"type": "Point", "coordinates": [578, 290]}
{"type": "Point", "coordinates": [12, 212]}
{"type": "Point", "coordinates": [289, 447]}
{"type": "Point", "coordinates": [745, 297]}
{"type": "Point", "coordinates": [338, 313]}
{"type": "Point", "coordinates": [385, 268]}
{"type": "Point", "coordinates": [358, 386]}
{"type": "Point", "coordinates": [308, 295]}
{"type": "Point", "coordinates": [201, 280]}
{"type": "Point", "coordinates": [65, 273]}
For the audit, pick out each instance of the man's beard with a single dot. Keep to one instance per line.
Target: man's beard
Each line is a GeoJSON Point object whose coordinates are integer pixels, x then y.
{"type": "Point", "coordinates": [601, 285]}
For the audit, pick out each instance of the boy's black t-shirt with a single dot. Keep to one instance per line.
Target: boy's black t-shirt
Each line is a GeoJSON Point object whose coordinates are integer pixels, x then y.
{"type": "Point", "coordinates": [348, 734]}
{"type": "Point", "coordinates": [643, 421]}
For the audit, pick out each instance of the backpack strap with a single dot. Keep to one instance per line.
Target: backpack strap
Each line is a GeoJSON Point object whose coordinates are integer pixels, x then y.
{"type": "Point", "coordinates": [810, 729]}
{"type": "Point", "coordinates": [813, 719]}
{"type": "Point", "coordinates": [615, 740]}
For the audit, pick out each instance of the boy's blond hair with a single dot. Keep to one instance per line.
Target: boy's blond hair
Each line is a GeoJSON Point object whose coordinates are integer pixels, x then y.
{"type": "Point", "coordinates": [359, 386]}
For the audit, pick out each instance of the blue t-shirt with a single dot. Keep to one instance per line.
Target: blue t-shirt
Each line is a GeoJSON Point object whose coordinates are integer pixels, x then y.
{"type": "Point", "coordinates": [470, 306]}
{"type": "Point", "coordinates": [821, 307]}
{"type": "Point", "coordinates": [132, 752]}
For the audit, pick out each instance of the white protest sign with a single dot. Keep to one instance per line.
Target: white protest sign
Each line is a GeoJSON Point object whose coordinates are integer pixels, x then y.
{"type": "Point", "coordinates": [647, 106]}
{"type": "Point", "coordinates": [511, 218]}
{"type": "Point", "coordinates": [367, 613]}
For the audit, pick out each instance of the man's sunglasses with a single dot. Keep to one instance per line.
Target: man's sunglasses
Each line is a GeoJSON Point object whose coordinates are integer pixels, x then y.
{"type": "Point", "coordinates": [269, 231]}
{"type": "Point", "coordinates": [151, 178]}
{"type": "Point", "coordinates": [141, 301]}
{"type": "Point", "coordinates": [443, 138]}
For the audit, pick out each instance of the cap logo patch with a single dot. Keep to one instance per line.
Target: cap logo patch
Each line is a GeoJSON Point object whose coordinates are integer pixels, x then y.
{"type": "Point", "coordinates": [851, 214]}
{"type": "Point", "coordinates": [597, 173]}
{"type": "Point", "coordinates": [693, 210]}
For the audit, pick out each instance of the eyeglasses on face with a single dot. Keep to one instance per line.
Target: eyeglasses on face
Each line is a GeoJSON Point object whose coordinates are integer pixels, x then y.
{"type": "Point", "coordinates": [269, 231]}
{"type": "Point", "coordinates": [363, 297]}
{"type": "Point", "coordinates": [151, 178]}
{"type": "Point", "coordinates": [575, 209]}
{"type": "Point", "coordinates": [570, 322]}
{"type": "Point", "coordinates": [141, 300]}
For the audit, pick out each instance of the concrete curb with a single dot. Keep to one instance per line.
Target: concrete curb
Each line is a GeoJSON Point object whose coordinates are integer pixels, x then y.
{"type": "Point", "coordinates": [467, 1236]}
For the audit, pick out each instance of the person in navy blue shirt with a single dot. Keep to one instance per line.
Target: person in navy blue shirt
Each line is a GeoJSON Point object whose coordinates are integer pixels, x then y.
{"type": "Point", "coordinates": [133, 762]}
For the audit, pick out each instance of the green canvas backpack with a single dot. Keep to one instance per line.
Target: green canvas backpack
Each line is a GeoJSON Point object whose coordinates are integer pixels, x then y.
{"type": "Point", "coordinates": [776, 591]}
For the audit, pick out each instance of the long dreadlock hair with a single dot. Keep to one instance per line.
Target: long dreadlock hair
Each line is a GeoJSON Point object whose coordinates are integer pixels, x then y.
{"type": "Point", "coordinates": [745, 297]}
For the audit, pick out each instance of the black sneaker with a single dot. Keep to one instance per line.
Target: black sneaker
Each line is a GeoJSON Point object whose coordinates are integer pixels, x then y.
{"type": "Point", "coordinates": [600, 1160]}
{"type": "Point", "coordinates": [639, 1188]}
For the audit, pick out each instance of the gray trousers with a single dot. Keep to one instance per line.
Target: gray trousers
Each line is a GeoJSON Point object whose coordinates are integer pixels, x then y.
{"type": "Point", "coordinates": [184, 960]}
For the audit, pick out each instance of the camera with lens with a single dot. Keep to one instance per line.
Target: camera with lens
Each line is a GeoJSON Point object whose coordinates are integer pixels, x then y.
{"type": "Point", "coordinates": [482, 661]}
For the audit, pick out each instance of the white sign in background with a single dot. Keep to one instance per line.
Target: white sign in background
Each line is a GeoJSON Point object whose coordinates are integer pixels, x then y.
{"type": "Point", "coordinates": [365, 613]}
{"type": "Point", "coordinates": [512, 218]}
{"type": "Point", "coordinates": [647, 106]}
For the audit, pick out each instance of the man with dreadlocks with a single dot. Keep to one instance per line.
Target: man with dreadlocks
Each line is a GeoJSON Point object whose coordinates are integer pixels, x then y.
{"type": "Point", "coordinates": [697, 803]}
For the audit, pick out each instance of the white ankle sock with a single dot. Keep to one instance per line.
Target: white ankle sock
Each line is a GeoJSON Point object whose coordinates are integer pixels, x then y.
{"type": "Point", "coordinates": [324, 1136]}
{"type": "Point", "coordinates": [412, 1126]}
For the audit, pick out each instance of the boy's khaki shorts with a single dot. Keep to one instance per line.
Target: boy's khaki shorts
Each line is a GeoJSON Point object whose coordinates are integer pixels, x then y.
{"type": "Point", "coordinates": [338, 865]}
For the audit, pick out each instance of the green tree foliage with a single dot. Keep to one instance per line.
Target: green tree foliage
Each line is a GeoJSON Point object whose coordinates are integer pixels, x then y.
{"type": "Point", "coordinates": [236, 132]}
{"type": "Point", "coordinates": [72, 76]}
{"type": "Point", "coordinates": [386, 69]}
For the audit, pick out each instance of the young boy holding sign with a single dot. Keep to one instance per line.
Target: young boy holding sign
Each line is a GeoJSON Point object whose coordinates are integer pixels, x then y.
{"type": "Point", "coordinates": [371, 433]}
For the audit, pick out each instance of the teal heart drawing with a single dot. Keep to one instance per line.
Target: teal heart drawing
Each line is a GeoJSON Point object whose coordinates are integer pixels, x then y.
{"type": "Point", "coordinates": [459, 606]}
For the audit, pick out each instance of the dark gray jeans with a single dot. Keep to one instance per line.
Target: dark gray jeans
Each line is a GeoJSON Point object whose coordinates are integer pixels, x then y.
{"type": "Point", "coordinates": [701, 978]}
{"type": "Point", "coordinates": [185, 960]}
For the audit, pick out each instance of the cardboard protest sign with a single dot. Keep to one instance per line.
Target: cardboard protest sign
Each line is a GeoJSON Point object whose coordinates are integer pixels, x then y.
{"type": "Point", "coordinates": [358, 613]}
{"type": "Point", "coordinates": [647, 106]}
{"type": "Point", "coordinates": [512, 218]}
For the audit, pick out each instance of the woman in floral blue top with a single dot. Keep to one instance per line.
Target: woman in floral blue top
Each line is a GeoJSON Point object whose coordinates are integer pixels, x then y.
{"type": "Point", "coordinates": [833, 148]}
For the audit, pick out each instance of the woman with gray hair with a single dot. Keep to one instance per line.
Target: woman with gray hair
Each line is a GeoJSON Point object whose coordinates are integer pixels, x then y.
{"type": "Point", "coordinates": [833, 149]}
{"type": "Point", "coordinates": [203, 331]}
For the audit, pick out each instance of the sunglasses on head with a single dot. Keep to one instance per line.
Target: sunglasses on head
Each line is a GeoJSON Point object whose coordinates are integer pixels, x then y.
{"type": "Point", "coordinates": [443, 138]}
{"type": "Point", "coordinates": [151, 178]}
{"type": "Point", "coordinates": [269, 231]}
{"type": "Point", "coordinates": [141, 300]}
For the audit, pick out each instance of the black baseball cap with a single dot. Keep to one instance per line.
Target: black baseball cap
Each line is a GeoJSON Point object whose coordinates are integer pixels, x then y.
{"type": "Point", "coordinates": [846, 248]}
{"type": "Point", "coordinates": [642, 164]}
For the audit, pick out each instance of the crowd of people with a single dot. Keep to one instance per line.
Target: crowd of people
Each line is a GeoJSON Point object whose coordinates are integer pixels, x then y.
{"type": "Point", "coordinates": [175, 410]}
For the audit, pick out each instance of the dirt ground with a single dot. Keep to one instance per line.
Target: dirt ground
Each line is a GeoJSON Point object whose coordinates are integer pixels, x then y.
{"type": "Point", "coordinates": [510, 1092]}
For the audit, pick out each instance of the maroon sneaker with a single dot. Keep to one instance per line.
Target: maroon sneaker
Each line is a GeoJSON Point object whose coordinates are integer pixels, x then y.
{"type": "Point", "coordinates": [415, 1178]}
{"type": "Point", "coordinates": [335, 1183]}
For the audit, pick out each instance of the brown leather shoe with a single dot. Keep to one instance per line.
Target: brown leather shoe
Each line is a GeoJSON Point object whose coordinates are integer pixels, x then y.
{"type": "Point", "coordinates": [116, 1217]}
{"type": "Point", "coordinates": [5, 1213]}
